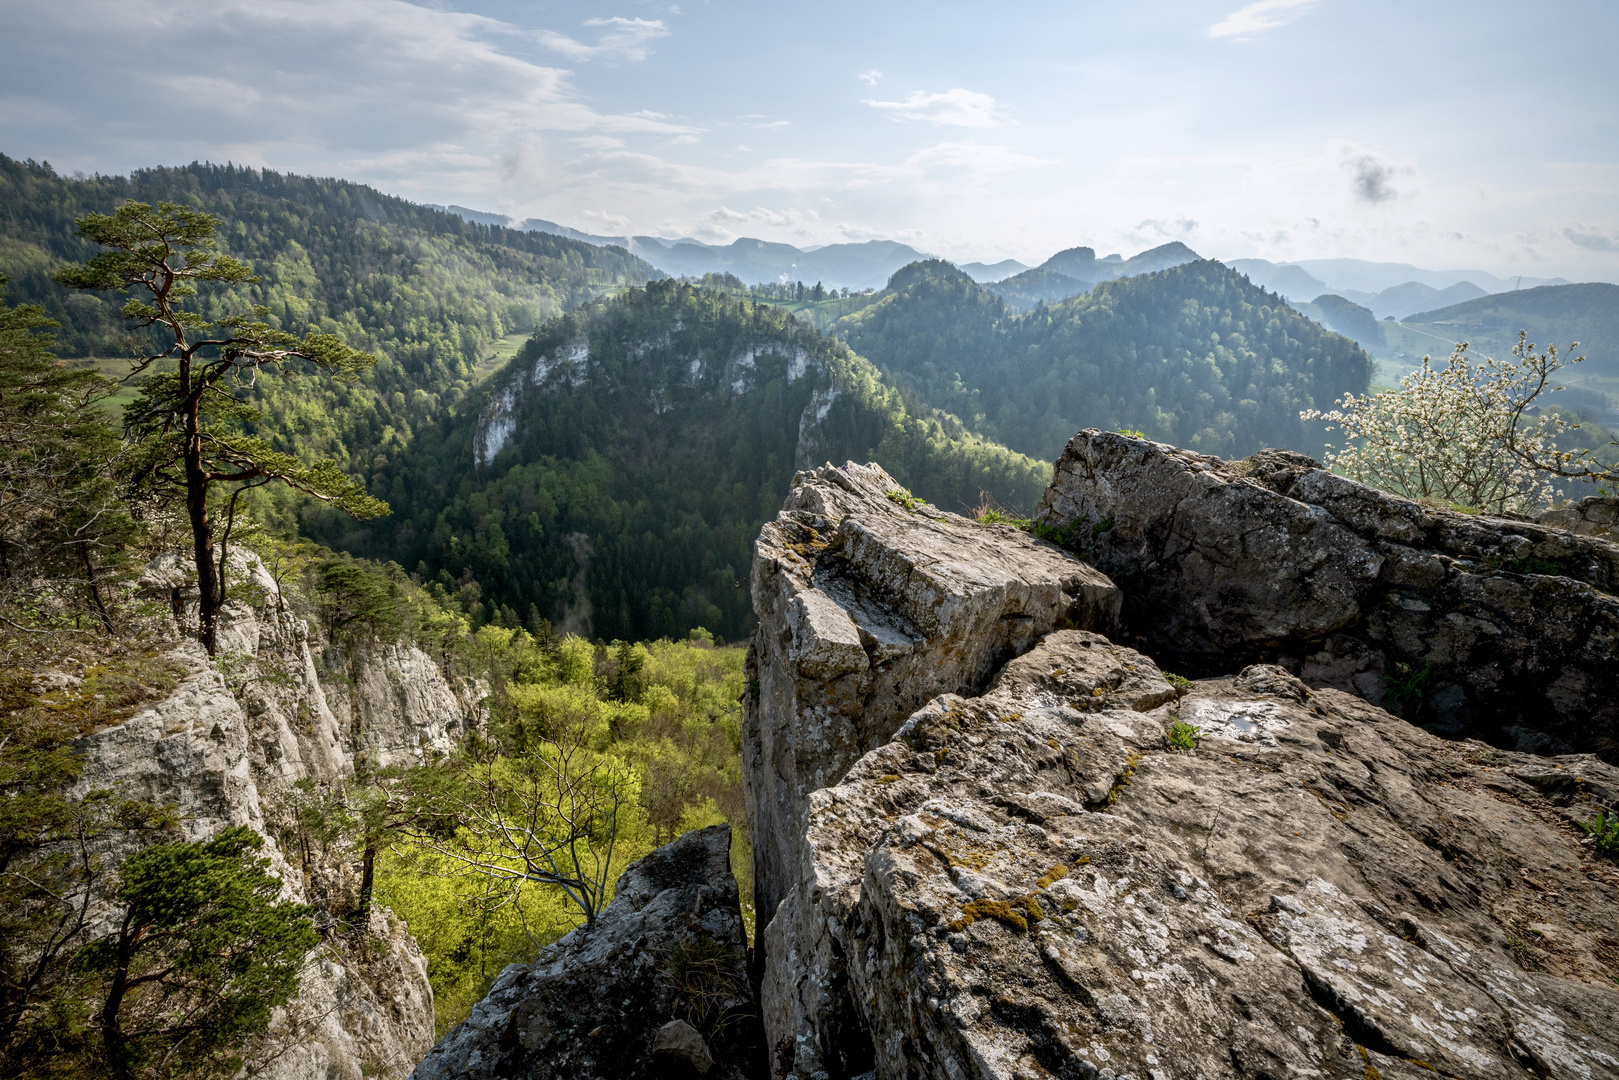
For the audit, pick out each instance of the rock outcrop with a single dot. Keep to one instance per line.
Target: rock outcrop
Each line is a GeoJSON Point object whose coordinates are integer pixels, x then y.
{"type": "Point", "coordinates": [1034, 883]}
{"type": "Point", "coordinates": [1595, 515]}
{"type": "Point", "coordinates": [601, 1002]}
{"type": "Point", "coordinates": [1468, 623]}
{"type": "Point", "coordinates": [870, 603]}
{"type": "Point", "coordinates": [239, 730]}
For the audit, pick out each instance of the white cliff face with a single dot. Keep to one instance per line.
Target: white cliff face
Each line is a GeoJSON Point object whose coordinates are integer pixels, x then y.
{"type": "Point", "coordinates": [737, 374]}
{"type": "Point", "coordinates": [240, 730]}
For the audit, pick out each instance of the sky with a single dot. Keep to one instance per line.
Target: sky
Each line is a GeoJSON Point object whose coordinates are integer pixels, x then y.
{"type": "Point", "coordinates": [1445, 133]}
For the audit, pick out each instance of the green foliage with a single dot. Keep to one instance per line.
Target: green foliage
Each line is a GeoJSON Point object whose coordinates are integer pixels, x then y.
{"type": "Point", "coordinates": [199, 960]}
{"type": "Point", "coordinates": [63, 517]}
{"type": "Point", "coordinates": [50, 851]}
{"type": "Point", "coordinates": [627, 498]}
{"type": "Point", "coordinates": [1181, 683]}
{"type": "Point", "coordinates": [1410, 685]}
{"type": "Point", "coordinates": [904, 498]}
{"type": "Point", "coordinates": [186, 422]}
{"type": "Point", "coordinates": [1604, 833]}
{"type": "Point", "coordinates": [358, 600]}
{"type": "Point", "coordinates": [1194, 355]}
{"type": "Point", "coordinates": [1184, 736]}
{"type": "Point", "coordinates": [675, 719]}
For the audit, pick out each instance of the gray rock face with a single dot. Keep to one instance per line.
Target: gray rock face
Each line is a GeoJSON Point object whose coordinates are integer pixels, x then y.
{"type": "Point", "coordinates": [1032, 883]}
{"type": "Point", "coordinates": [594, 1003]}
{"type": "Point", "coordinates": [1592, 516]}
{"type": "Point", "coordinates": [867, 609]}
{"type": "Point", "coordinates": [1468, 623]}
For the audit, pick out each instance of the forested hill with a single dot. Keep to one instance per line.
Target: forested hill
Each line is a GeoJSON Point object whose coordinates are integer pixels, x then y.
{"type": "Point", "coordinates": [1195, 355]}
{"type": "Point", "coordinates": [1552, 314]}
{"type": "Point", "coordinates": [427, 291]}
{"type": "Point", "coordinates": [628, 455]}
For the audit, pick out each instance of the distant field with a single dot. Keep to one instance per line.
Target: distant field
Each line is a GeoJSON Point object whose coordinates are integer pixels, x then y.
{"type": "Point", "coordinates": [504, 350]}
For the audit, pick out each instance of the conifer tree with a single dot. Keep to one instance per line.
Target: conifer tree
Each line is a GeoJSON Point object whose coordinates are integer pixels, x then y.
{"type": "Point", "coordinates": [187, 421]}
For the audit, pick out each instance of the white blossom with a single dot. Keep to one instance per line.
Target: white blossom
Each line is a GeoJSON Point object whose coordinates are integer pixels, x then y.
{"type": "Point", "coordinates": [1462, 434]}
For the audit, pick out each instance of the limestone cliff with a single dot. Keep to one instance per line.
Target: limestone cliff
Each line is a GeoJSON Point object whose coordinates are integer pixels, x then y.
{"type": "Point", "coordinates": [870, 603]}
{"type": "Point", "coordinates": [239, 730]}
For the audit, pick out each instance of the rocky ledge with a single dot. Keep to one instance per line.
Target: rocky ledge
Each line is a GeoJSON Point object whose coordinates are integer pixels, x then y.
{"type": "Point", "coordinates": [656, 987]}
{"type": "Point", "coordinates": [1037, 883]}
{"type": "Point", "coordinates": [1470, 624]}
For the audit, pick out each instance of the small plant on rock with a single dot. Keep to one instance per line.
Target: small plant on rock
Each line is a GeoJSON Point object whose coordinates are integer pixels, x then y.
{"type": "Point", "coordinates": [903, 497]}
{"type": "Point", "coordinates": [1603, 833]}
{"type": "Point", "coordinates": [1184, 736]}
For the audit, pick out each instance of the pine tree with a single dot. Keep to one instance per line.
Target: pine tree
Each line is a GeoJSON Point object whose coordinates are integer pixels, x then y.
{"type": "Point", "coordinates": [187, 420]}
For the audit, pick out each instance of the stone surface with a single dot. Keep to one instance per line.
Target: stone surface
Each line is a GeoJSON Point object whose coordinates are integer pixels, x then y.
{"type": "Point", "coordinates": [1500, 627]}
{"type": "Point", "coordinates": [866, 610]}
{"type": "Point", "coordinates": [593, 1004]}
{"type": "Point", "coordinates": [681, 1044]}
{"type": "Point", "coordinates": [1031, 883]}
{"type": "Point", "coordinates": [1594, 515]}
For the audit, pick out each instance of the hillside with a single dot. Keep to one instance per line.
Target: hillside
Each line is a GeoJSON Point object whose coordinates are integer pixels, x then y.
{"type": "Point", "coordinates": [1553, 315]}
{"type": "Point", "coordinates": [1350, 319]}
{"type": "Point", "coordinates": [627, 456]}
{"type": "Point", "coordinates": [430, 293]}
{"type": "Point", "coordinates": [1022, 291]}
{"type": "Point", "coordinates": [1195, 355]}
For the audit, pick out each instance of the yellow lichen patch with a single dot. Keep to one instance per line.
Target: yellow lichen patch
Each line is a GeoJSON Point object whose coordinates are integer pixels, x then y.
{"type": "Point", "coordinates": [1015, 914]}
{"type": "Point", "coordinates": [1097, 691]}
{"type": "Point", "coordinates": [941, 753]}
{"type": "Point", "coordinates": [970, 856]}
{"type": "Point", "coordinates": [888, 778]}
{"type": "Point", "coordinates": [1056, 873]}
{"type": "Point", "coordinates": [1131, 759]}
{"type": "Point", "coordinates": [1011, 718]}
{"type": "Point", "coordinates": [1058, 673]}
{"type": "Point", "coordinates": [1054, 744]}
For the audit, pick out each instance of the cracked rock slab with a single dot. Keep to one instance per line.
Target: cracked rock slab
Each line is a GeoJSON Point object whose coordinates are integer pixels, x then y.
{"type": "Point", "coordinates": [1033, 884]}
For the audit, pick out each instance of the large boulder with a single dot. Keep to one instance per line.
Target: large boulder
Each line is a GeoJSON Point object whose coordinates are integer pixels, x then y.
{"type": "Point", "coordinates": [1036, 883]}
{"type": "Point", "coordinates": [1471, 624]}
{"type": "Point", "coordinates": [870, 603]}
{"type": "Point", "coordinates": [669, 947]}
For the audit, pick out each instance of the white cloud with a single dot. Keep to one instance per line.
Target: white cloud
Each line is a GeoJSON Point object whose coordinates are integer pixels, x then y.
{"type": "Point", "coordinates": [870, 77]}
{"type": "Point", "coordinates": [1258, 17]}
{"type": "Point", "coordinates": [620, 39]}
{"type": "Point", "coordinates": [952, 108]}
